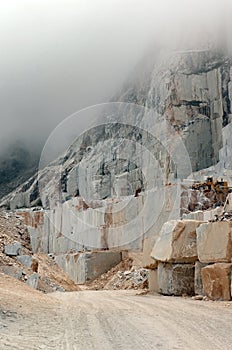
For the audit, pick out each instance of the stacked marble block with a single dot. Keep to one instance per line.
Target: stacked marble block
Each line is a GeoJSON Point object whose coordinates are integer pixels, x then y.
{"type": "Point", "coordinates": [192, 257]}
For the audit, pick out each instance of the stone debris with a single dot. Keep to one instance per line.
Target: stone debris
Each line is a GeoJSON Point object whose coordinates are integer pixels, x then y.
{"type": "Point", "coordinates": [13, 271]}
{"type": "Point", "coordinates": [25, 260]}
{"type": "Point", "coordinates": [225, 216]}
{"type": "Point", "coordinates": [37, 270]}
{"type": "Point", "coordinates": [136, 277]}
{"type": "Point", "coordinates": [198, 297]}
{"type": "Point", "coordinates": [128, 274]}
{"type": "Point", "coordinates": [13, 249]}
{"type": "Point", "coordinates": [33, 280]}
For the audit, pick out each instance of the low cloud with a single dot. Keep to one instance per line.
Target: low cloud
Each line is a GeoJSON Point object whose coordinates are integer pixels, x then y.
{"type": "Point", "coordinates": [61, 56]}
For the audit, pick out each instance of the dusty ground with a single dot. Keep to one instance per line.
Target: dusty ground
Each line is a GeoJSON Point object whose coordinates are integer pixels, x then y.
{"type": "Point", "coordinates": [109, 320]}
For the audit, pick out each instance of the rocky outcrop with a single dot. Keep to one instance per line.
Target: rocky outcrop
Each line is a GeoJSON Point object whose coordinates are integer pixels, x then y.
{"type": "Point", "coordinates": [193, 90]}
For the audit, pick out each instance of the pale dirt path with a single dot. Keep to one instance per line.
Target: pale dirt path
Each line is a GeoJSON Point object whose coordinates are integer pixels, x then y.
{"type": "Point", "coordinates": [119, 320]}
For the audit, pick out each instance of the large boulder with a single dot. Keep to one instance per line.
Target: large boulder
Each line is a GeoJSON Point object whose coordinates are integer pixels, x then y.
{"type": "Point", "coordinates": [177, 242]}
{"type": "Point", "coordinates": [217, 281]}
{"type": "Point", "coordinates": [13, 271]}
{"type": "Point", "coordinates": [29, 261]}
{"type": "Point", "coordinates": [33, 280]}
{"type": "Point", "coordinates": [214, 242]}
{"type": "Point", "coordinates": [176, 279]}
{"type": "Point", "coordinates": [13, 249]}
{"type": "Point", "coordinates": [25, 260]}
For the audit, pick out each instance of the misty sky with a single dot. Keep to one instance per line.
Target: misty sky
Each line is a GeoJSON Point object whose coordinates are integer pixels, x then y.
{"type": "Point", "coordinates": [58, 56]}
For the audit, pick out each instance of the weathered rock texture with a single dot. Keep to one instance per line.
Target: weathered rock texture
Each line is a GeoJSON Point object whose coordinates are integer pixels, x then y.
{"type": "Point", "coordinates": [217, 281]}
{"type": "Point", "coordinates": [192, 89]}
{"type": "Point", "coordinates": [198, 284]}
{"type": "Point", "coordinates": [214, 242]}
{"type": "Point", "coordinates": [176, 279]}
{"type": "Point", "coordinates": [177, 242]}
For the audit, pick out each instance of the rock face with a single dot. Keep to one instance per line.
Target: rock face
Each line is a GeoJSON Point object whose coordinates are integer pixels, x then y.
{"type": "Point", "coordinates": [177, 242]}
{"type": "Point", "coordinates": [217, 281]}
{"type": "Point", "coordinates": [191, 90]}
{"type": "Point", "coordinates": [176, 279]}
{"type": "Point", "coordinates": [214, 242]}
{"type": "Point", "coordinates": [115, 224]}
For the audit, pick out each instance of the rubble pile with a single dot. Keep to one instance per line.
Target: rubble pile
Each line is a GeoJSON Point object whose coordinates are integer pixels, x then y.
{"type": "Point", "coordinates": [131, 279]}
{"type": "Point", "coordinates": [17, 259]}
{"type": "Point", "coordinates": [128, 274]}
{"type": "Point", "coordinates": [223, 217]}
{"type": "Point", "coordinates": [226, 213]}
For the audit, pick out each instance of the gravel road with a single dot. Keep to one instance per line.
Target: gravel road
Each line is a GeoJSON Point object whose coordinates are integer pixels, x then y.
{"type": "Point", "coordinates": [116, 320]}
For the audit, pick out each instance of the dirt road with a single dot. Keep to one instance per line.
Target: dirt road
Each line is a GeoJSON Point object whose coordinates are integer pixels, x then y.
{"type": "Point", "coordinates": [114, 320]}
